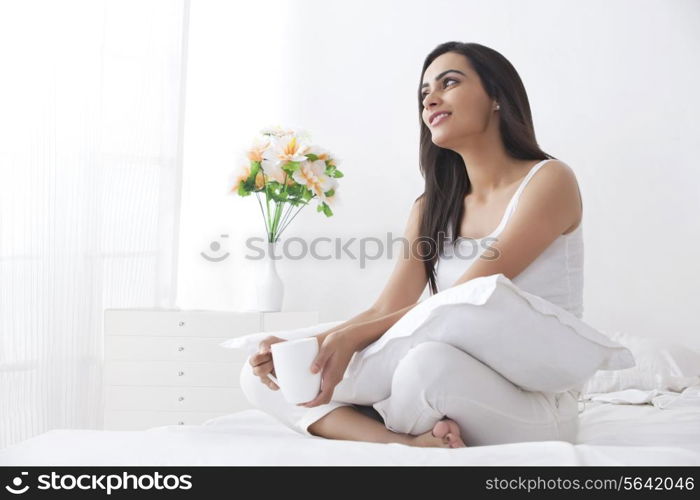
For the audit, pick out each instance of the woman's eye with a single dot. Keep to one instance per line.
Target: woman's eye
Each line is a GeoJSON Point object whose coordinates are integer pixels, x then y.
{"type": "Point", "coordinates": [424, 94]}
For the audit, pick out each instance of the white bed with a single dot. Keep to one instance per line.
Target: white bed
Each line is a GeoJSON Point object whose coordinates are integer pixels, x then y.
{"type": "Point", "coordinates": [648, 414]}
{"type": "Point", "coordinates": [610, 434]}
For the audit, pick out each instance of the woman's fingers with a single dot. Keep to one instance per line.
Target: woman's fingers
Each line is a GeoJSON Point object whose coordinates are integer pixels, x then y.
{"type": "Point", "coordinates": [262, 363]}
{"type": "Point", "coordinates": [259, 358]}
{"type": "Point", "coordinates": [263, 368]}
{"type": "Point", "coordinates": [323, 398]}
{"type": "Point", "coordinates": [328, 383]}
{"type": "Point", "coordinates": [265, 343]}
{"type": "Point", "coordinates": [262, 371]}
{"type": "Point", "coordinates": [320, 360]}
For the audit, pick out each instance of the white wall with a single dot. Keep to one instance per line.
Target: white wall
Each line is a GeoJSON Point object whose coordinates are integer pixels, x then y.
{"type": "Point", "coordinates": [613, 89]}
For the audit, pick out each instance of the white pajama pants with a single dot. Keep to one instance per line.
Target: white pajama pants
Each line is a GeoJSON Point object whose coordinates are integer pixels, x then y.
{"type": "Point", "coordinates": [436, 380]}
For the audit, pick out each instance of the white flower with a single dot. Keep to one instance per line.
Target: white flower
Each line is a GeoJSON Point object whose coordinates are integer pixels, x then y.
{"type": "Point", "coordinates": [276, 131]}
{"type": "Point", "coordinates": [336, 161]}
{"type": "Point", "coordinates": [303, 135]}
{"type": "Point", "coordinates": [282, 150]}
{"type": "Point", "coordinates": [257, 151]}
{"type": "Point", "coordinates": [274, 171]}
{"type": "Point", "coordinates": [241, 175]}
{"type": "Point", "coordinates": [321, 154]}
{"type": "Point", "coordinates": [312, 175]}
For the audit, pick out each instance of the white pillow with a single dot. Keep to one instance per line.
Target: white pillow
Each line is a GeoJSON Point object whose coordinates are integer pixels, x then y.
{"type": "Point", "coordinates": [532, 342]}
{"type": "Point", "coordinates": [661, 365]}
{"type": "Point", "coordinates": [250, 343]}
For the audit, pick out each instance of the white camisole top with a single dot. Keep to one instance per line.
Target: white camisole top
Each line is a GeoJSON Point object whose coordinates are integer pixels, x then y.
{"type": "Point", "coordinates": [555, 275]}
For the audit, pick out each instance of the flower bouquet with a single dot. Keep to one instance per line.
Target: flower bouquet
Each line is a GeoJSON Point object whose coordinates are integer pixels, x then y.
{"type": "Point", "coordinates": [290, 172]}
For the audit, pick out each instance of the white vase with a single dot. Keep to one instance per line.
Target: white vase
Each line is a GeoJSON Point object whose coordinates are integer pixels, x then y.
{"type": "Point", "coordinates": [270, 289]}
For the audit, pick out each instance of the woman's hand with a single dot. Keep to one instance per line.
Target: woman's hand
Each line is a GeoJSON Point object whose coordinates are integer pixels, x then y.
{"type": "Point", "coordinates": [335, 352]}
{"type": "Point", "coordinates": [262, 361]}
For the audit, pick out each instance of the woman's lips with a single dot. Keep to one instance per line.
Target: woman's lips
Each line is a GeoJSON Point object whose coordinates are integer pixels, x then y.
{"type": "Point", "coordinates": [441, 119]}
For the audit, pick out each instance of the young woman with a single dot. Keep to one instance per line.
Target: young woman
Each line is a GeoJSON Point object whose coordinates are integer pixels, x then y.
{"type": "Point", "coordinates": [486, 179]}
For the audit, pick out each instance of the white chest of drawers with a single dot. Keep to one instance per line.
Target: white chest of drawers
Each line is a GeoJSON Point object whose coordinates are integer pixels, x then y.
{"type": "Point", "coordinates": [165, 367]}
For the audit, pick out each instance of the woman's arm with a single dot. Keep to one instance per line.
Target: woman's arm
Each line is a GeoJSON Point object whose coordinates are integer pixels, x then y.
{"type": "Point", "coordinates": [336, 351]}
{"type": "Point", "coordinates": [365, 316]}
{"type": "Point", "coordinates": [404, 288]}
{"type": "Point", "coordinates": [363, 334]}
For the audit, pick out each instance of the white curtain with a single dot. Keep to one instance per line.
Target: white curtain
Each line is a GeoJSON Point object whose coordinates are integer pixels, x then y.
{"type": "Point", "coordinates": [91, 111]}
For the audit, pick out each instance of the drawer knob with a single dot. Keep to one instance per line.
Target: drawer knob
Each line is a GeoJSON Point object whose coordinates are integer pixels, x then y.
{"type": "Point", "coordinates": [181, 398]}
{"type": "Point", "coordinates": [181, 323]}
{"type": "Point", "coordinates": [180, 348]}
{"type": "Point", "coordinates": [181, 423]}
{"type": "Point", "coordinates": [180, 373]}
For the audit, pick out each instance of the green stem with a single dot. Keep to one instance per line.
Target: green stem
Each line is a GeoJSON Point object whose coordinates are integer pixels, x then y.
{"type": "Point", "coordinates": [267, 202]}
{"type": "Point", "coordinates": [290, 206]}
{"type": "Point", "coordinates": [278, 213]}
{"type": "Point", "coordinates": [262, 211]}
{"type": "Point", "coordinates": [290, 220]}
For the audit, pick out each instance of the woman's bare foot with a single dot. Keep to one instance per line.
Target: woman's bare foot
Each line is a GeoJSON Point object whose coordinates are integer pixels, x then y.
{"type": "Point", "coordinates": [445, 434]}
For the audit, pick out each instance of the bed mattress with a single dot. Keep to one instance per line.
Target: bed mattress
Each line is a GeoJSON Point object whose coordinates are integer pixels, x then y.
{"type": "Point", "coordinates": [609, 434]}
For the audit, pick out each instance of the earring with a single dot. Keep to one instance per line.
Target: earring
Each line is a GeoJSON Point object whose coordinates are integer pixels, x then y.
{"type": "Point", "coordinates": [498, 106]}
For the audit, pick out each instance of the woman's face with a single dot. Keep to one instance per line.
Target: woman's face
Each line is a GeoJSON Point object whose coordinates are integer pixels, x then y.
{"type": "Point", "coordinates": [458, 92]}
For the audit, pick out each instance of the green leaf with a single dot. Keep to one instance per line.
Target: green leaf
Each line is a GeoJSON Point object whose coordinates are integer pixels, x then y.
{"type": "Point", "coordinates": [297, 202]}
{"type": "Point", "coordinates": [330, 192]}
{"type": "Point", "coordinates": [277, 193]}
{"type": "Point", "coordinates": [242, 190]}
{"type": "Point", "coordinates": [332, 171]}
{"type": "Point", "coordinates": [326, 209]}
{"type": "Point", "coordinates": [254, 169]}
{"type": "Point", "coordinates": [291, 166]}
{"type": "Point", "coordinates": [311, 157]}
{"type": "Point", "coordinates": [295, 190]}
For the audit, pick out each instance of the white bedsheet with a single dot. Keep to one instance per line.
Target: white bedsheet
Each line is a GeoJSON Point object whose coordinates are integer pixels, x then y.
{"type": "Point", "coordinates": [689, 396]}
{"type": "Point", "coordinates": [609, 435]}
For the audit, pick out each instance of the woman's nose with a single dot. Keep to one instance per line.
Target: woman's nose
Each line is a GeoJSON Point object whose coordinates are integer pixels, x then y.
{"type": "Point", "coordinates": [431, 99]}
{"type": "Point", "coordinates": [430, 104]}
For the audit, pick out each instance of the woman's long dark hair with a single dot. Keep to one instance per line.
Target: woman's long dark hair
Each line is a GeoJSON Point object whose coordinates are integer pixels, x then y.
{"type": "Point", "coordinates": [446, 180]}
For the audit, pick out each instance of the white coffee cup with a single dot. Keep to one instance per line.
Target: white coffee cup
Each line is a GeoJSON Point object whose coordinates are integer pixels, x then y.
{"type": "Point", "coordinates": [292, 360]}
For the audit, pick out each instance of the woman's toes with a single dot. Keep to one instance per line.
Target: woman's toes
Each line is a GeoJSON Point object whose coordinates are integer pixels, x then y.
{"type": "Point", "coordinates": [441, 429]}
{"type": "Point", "coordinates": [456, 441]}
{"type": "Point", "coordinates": [449, 432]}
{"type": "Point", "coordinates": [445, 434]}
